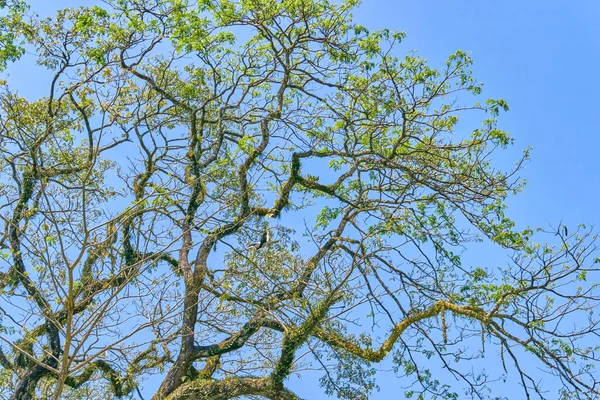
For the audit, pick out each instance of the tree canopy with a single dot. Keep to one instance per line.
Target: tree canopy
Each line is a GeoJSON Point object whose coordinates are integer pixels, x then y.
{"type": "Point", "coordinates": [215, 196]}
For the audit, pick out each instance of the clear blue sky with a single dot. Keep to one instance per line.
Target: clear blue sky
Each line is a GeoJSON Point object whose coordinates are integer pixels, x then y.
{"type": "Point", "coordinates": [542, 57]}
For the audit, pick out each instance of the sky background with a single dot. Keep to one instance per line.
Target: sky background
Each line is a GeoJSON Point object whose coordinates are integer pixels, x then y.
{"type": "Point", "coordinates": [542, 57]}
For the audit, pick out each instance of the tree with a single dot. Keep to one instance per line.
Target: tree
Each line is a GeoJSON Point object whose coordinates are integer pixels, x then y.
{"type": "Point", "coordinates": [176, 133]}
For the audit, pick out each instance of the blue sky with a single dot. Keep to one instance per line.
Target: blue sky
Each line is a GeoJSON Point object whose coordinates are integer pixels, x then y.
{"type": "Point", "coordinates": [542, 58]}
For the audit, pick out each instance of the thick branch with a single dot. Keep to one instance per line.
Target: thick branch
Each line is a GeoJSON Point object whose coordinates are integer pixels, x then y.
{"type": "Point", "coordinates": [336, 340]}
{"type": "Point", "coordinates": [231, 388]}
